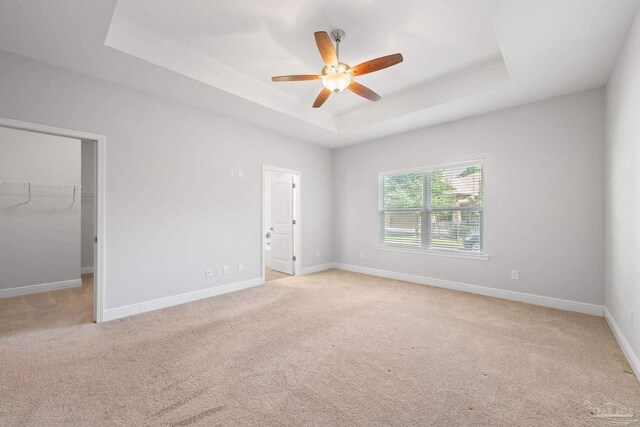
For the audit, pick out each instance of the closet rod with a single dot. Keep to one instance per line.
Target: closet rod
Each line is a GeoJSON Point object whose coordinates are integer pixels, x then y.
{"type": "Point", "coordinates": [41, 184]}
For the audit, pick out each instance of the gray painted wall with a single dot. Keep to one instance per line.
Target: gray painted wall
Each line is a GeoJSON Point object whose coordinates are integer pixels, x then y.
{"type": "Point", "coordinates": [39, 241]}
{"type": "Point", "coordinates": [171, 208]}
{"type": "Point", "coordinates": [544, 197]}
{"type": "Point", "coordinates": [623, 189]}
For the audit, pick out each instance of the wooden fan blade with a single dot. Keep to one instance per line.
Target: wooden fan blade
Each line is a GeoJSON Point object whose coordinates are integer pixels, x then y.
{"type": "Point", "coordinates": [324, 95]}
{"type": "Point", "coordinates": [326, 48]}
{"type": "Point", "coordinates": [376, 64]}
{"type": "Point", "coordinates": [295, 78]}
{"type": "Point", "coordinates": [363, 91]}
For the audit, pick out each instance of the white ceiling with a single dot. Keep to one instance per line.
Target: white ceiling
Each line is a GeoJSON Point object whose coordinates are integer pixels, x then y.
{"type": "Point", "coordinates": [260, 39]}
{"type": "Point", "coordinates": [462, 57]}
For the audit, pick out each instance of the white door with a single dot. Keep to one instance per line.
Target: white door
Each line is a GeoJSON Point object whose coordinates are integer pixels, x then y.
{"type": "Point", "coordinates": [282, 222]}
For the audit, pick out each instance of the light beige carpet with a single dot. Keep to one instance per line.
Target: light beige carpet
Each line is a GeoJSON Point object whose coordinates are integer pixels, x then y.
{"type": "Point", "coordinates": [274, 274]}
{"type": "Point", "coordinates": [333, 348]}
{"type": "Point", "coordinates": [46, 310]}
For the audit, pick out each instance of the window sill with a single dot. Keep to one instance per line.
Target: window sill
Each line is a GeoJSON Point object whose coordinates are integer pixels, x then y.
{"type": "Point", "coordinates": [478, 257]}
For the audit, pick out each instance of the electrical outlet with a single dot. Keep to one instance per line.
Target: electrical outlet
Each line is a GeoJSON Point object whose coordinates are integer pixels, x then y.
{"type": "Point", "coordinates": [317, 254]}
{"type": "Point", "coordinates": [514, 274]}
{"type": "Point", "coordinates": [208, 272]}
{"type": "Point", "coordinates": [361, 255]}
{"type": "Point", "coordinates": [240, 173]}
{"type": "Point", "coordinates": [630, 318]}
{"type": "Point", "coordinates": [225, 269]}
{"type": "Point", "coordinates": [231, 172]}
{"type": "Point", "coordinates": [240, 267]}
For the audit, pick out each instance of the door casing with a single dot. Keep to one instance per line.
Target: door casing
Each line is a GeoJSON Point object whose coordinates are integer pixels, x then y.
{"type": "Point", "coordinates": [100, 200]}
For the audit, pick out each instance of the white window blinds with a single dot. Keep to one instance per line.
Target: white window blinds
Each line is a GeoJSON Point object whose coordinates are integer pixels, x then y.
{"type": "Point", "coordinates": [439, 208]}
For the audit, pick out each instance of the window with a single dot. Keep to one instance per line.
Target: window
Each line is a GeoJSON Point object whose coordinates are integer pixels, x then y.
{"type": "Point", "coordinates": [438, 208]}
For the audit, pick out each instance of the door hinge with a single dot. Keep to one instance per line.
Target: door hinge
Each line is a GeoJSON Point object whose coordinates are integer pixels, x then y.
{"type": "Point", "coordinates": [95, 239]}
{"type": "Point", "coordinates": [294, 222]}
{"type": "Point", "coordinates": [293, 185]}
{"type": "Point", "coordinates": [294, 257]}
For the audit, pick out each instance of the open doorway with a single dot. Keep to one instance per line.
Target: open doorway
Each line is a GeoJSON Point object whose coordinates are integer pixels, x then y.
{"type": "Point", "coordinates": [50, 222]}
{"type": "Point", "coordinates": [280, 223]}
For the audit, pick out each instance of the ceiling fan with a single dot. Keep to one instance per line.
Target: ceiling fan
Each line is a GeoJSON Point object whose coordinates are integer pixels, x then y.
{"type": "Point", "coordinates": [337, 76]}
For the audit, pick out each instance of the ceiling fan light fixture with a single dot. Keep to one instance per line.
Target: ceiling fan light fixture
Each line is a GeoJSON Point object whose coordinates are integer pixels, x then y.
{"type": "Point", "coordinates": [336, 79]}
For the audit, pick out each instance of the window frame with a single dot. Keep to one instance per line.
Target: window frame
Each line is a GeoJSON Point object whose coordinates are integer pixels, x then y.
{"type": "Point", "coordinates": [426, 212]}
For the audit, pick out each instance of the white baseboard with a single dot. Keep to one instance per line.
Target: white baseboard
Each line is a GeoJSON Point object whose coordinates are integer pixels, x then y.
{"type": "Point", "coordinates": [86, 270]}
{"type": "Point", "coordinates": [580, 307]}
{"type": "Point", "coordinates": [156, 304]}
{"type": "Point", "coordinates": [318, 268]}
{"type": "Point", "coordinates": [632, 357]}
{"type": "Point", "coordinates": [43, 287]}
